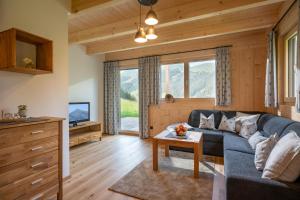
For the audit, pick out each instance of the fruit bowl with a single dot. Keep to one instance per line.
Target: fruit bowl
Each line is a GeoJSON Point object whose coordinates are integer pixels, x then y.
{"type": "Point", "coordinates": [180, 130]}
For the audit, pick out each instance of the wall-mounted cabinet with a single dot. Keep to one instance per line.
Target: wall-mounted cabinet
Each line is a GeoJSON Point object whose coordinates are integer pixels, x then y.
{"type": "Point", "coordinates": [24, 52]}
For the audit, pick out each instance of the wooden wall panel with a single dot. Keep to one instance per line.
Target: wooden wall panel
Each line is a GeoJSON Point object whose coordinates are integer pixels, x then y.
{"type": "Point", "coordinates": [289, 111]}
{"type": "Point", "coordinates": [248, 58]}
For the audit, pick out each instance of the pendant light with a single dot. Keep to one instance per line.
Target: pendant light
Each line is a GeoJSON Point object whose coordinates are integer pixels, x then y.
{"type": "Point", "coordinates": [151, 33]}
{"type": "Point", "coordinates": [140, 36]}
{"type": "Point", "coordinates": [151, 17]}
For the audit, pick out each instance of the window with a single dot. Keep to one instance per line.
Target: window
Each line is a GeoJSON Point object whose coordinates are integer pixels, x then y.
{"type": "Point", "coordinates": [291, 65]}
{"type": "Point", "coordinates": [195, 79]}
{"type": "Point", "coordinates": [129, 94]}
{"type": "Point", "coordinates": [172, 80]}
{"type": "Point", "coordinates": [202, 79]}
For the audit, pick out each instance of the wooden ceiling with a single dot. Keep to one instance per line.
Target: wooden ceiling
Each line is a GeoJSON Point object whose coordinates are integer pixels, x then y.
{"type": "Point", "coordinates": [106, 26]}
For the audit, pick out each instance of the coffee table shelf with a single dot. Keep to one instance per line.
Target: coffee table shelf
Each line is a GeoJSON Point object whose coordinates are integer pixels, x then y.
{"type": "Point", "coordinates": [194, 141]}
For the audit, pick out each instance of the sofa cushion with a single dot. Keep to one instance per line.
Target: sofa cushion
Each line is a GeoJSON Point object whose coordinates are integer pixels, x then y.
{"type": "Point", "coordinates": [238, 163]}
{"type": "Point", "coordinates": [292, 127]}
{"type": "Point", "coordinates": [212, 148]}
{"type": "Point", "coordinates": [194, 118]}
{"type": "Point", "coordinates": [237, 143]}
{"type": "Point", "coordinates": [211, 135]}
{"type": "Point", "coordinates": [262, 120]}
{"type": "Point", "coordinates": [241, 175]}
{"type": "Point", "coordinates": [276, 125]}
{"type": "Point", "coordinates": [231, 114]}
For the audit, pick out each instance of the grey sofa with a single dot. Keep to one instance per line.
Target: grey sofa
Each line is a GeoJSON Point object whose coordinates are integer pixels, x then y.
{"type": "Point", "coordinates": [243, 181]}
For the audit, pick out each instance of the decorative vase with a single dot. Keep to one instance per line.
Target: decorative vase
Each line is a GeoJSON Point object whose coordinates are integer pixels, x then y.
{"type": "Point", "coordinates": [28, 62]}
{"type": "Point", "coordinates": [169, 98]}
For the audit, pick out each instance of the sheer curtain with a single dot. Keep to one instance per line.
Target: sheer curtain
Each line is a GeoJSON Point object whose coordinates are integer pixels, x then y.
{"type": "Point", "coordinates": [223, 76]}
{"type": "Point", "coordinates": [149, 90]}
{"type": "Point", "coordinates": [111, 98]}
{"type": "Point", "coordinates": [271, 98]}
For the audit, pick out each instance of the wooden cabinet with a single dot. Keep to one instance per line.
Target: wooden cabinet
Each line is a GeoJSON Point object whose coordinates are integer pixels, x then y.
{"type": "Point", "coordinates": [31, 160]}
{"type": "Point", "coordinates": [13, 41]}
{"type": "Point", "coordinates": [88, 131]}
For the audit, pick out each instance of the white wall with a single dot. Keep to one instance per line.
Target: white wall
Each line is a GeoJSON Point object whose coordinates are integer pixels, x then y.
{"type": "Point", "coordinates": [45, 95]}
{"type": "Point", "coordinates": [86, 80]}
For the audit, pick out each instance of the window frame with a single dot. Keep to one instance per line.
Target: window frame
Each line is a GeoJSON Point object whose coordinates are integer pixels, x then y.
{"type": "Point", "coordinates": [287, 37]}
{"type": "Point", "coordinates": [202, 60]}
{"type": "Point", "coordinates": [172, 63]}
{"type": "Point", "coordinates": [186, 62]}
{"type": "Point", "coordinates": [126, 66]}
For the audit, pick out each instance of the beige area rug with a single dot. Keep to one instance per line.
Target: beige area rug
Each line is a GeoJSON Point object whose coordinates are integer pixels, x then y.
{"type": "Point", "coordinates": [173, 181]}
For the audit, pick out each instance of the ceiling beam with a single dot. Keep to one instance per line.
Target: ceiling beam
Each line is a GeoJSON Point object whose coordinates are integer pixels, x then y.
{"type": "Point", "coordinates": [193, 11]}
{"type": "Point", "coordinates": [253, 19]}
{"type": "Point", "coordinates": [82, 7]}
{"type": "Point", "coordinates": [237, 40]}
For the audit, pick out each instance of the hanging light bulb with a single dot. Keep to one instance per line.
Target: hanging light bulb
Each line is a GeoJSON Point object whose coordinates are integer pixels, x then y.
{"type": "Point", "coordinates": [140, 36]}
{"type": "Point", "coordinates": [151, 18]}
{"type": "Point", "coordinates": [151, 33]}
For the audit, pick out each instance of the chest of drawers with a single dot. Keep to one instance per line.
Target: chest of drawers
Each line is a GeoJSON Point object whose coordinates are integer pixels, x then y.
{"type": "Point", "coordinates": [31, 160]}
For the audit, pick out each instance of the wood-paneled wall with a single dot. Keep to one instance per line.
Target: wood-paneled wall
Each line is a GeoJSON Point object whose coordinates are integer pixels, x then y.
{"type": "Point", "coordinates": [248, 59]}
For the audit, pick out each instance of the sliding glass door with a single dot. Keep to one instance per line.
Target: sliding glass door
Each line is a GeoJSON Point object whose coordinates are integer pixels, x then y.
{"type": "Point", "coordinates": [129, 100]}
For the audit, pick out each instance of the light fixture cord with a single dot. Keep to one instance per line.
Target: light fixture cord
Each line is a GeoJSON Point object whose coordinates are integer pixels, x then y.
{"type": "Point", "coordinates": [140, 15]}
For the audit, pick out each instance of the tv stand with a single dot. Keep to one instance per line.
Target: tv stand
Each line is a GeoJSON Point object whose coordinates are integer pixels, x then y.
{"type": "Point", "coordinates": [85, 132]}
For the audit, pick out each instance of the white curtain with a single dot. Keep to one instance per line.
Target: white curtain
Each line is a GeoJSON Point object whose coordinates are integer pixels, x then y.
{"type": "Point", "coordinates": [271, 98]}
{"type": "Point", "coordinates": [223, 77]}
{"type": "Point", "coordinates": [297, 71]}
{"type": "Point", "coordinates": [111, 98]}
{"type": "Point", "coordinates": [149, 90]}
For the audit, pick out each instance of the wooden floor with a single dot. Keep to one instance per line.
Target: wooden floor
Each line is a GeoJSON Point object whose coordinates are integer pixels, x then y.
{"type": "Point", "coordinates": [98, 165]}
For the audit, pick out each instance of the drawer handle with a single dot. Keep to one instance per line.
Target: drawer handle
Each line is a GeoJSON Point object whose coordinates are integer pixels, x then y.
{"type": "Point", "coordinates": [36, 148]}
{"type": "Point", "coordinates": [37, 196]}
{"type": "Point", "coordinates": [37, 132]}
{"type": "Point", "coordinates": [37, 181]}
{"type": "Point", "coordinates": [37, 164]}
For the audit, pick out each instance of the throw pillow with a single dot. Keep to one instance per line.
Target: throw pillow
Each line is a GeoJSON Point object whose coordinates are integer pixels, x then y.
{"type": "Point", "coordinates": [284, 161]}
{"type": "Point", "coordinates": [241, 119]}
{"type": "Point", "coordinates": [207, 122]}
{"type": "Point", "coordinates": [255, 139]}
{"type": "Point", "coordinates": [241, 114]}
{"type": "Point", "coordinates": [263, 150]}
{"type": "Point", "coordinates": [227, 124]}
{"type": "Point", "coordinates": [248, 128]}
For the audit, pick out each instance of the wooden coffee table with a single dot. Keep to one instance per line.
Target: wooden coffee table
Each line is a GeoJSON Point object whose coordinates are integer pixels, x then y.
{"type": "Point", "coordinates": [194, 141]}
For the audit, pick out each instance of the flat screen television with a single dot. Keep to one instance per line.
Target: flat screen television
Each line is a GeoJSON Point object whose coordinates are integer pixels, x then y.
{"type": "Point", "coordinates": [79, 112]}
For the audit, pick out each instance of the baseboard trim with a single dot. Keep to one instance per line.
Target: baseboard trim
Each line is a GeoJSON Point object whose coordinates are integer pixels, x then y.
{"type": "Point", "coordinates": [66, 178]}
{"type": "Point", "coordinates": [130, 133]}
